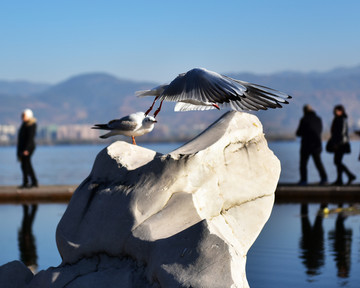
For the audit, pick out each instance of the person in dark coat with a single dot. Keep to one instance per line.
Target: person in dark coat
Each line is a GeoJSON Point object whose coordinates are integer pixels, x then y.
{"type": "Point", "coordinates": [341, 144]}
{"type": "Point", "coordinates": [309, 130]}
{"type": "Point", "coordinates": [26, 147]}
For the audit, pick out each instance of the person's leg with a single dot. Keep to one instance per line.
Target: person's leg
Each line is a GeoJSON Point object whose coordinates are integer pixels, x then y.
{"type": "Point", "coordinates": [34, 182]}
{"type": "Point", "coordinates": [320, 167]}
{"type": "Point", "coordinates": [25, 168]}
{"type": "Point", "coordinates": [351, 176]}
{"type": "Point", "coordinates": [304, 158]}
{"type": "Point", "coordinates": [339, 168]}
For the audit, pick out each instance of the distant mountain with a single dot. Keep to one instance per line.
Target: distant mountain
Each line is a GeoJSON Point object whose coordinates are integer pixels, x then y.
{"type": "Point", "coordinates": [322, 90]}
{"type": "Point", "coordinates": [21, 87]}
{"type": "Point", "coordinates": [89, 98]}
{"type": "Point", "coordinates": [100, 97]}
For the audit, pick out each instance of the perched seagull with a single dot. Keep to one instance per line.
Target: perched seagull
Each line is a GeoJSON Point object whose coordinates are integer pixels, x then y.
{"type": "Point", "coordinates": [136, 124]}
{"type": "Point", "coordinates": [201, 89]}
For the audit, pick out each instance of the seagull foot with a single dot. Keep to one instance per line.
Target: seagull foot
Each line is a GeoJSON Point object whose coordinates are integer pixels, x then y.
{"type": "Point", "coordinates": [216, 106]}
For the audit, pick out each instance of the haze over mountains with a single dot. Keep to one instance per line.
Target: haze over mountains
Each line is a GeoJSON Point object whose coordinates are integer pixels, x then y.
{"type": "Point", "coordinates": [99, 97]}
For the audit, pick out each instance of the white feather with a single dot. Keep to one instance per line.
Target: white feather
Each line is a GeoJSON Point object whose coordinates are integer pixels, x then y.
{"type": "Point", "coordinates": [157, 91]}
{"type": "Point", "coordinates": [181, 106]}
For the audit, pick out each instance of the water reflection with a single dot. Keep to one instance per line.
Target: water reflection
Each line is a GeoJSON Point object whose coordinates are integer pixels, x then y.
{"type": "Point", "coordinates": [340, 240]}
{"type": "Point", "coordinates": [311, 242]}
{"type": "Point", "coordinates": [316, 250]}
{"type": "Point", "coordinates": [27, 245]}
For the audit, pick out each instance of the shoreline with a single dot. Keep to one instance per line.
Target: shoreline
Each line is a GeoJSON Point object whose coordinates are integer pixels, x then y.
{"type": "Point", "coordinates": [285, 193]}
{"type": "Point", "coordinates": [69, 142]}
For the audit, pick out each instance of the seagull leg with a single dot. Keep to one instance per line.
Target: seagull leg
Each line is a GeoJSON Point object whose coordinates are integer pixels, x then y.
{"type": "Point", "coordinates": [151, 107]}
{"type": "Point", "coordinates": [133, 140]}
{"type": "Point", "coordinates": [216, 106]}
{"type": "Point", "coordinates": [158, 110]}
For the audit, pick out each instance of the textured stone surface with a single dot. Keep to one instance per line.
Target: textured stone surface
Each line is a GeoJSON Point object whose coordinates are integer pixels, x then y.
{"type": "Point", "coordinates": [185, 219]}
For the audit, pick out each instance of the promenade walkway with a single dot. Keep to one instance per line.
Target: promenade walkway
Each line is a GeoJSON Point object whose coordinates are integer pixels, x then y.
{"type": "Point", "coordinates": [285, 193]}
{"type": "Point", "coordinates": [292, 193]}
{"type": "Point", "coordinates": [41, 194]}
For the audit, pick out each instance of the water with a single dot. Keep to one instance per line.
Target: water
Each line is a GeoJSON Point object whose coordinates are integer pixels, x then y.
{"type": "Point", "coordinates": [58, 165]}
{"type": "Point", "coordinates": [289, 155]}
{"type": "Point", "coordinates": [18, 240]}
{"type": "Point", "coordinates": [282, 256]}
{"type": "Point", "coordinates": [306, 251]}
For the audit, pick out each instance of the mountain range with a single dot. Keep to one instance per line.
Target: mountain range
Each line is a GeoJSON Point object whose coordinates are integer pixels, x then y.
{"type": "Point", "coordinates": [100, 97]}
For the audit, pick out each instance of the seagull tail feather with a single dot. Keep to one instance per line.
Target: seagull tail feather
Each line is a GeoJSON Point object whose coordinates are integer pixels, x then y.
{"type": "Point", "coordinates": [107, 135]}
{"type": "Point", "coordinates": [100, 126]}
{"type": "Point", "coordinates": [143, 93]}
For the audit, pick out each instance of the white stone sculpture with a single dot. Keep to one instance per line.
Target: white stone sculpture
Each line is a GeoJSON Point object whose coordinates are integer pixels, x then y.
{"type": "Point", "coordinates": [185, 219]}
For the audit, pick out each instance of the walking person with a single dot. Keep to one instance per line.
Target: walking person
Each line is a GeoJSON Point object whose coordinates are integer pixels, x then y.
{"type": "Point", "coordinates": [26, 147]}
{"type": "Point", "coordinates": [339, 144]}
{"type": "Point", "coordinates": [310, 129]}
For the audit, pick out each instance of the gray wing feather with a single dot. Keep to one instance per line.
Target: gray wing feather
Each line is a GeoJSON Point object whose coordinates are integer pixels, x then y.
{"type": "Point", "coordinates": [123, 124]}
{"type": "Point", "coordinates": [126, 123]}
{"type": "Point", "coordinates": [203, 85]}
{"type": "Point", "coordinates": [100, 126]}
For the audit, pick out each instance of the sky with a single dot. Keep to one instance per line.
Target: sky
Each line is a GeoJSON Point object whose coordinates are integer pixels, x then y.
{"type": "Point", "coordinates": [51, 41]}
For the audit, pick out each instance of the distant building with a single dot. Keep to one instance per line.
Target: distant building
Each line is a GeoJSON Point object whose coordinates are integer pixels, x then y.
{"type": "Point", "coordinates": [7, 134]}
{"type": "Point", "coordinates": [47, 133]}
{"type": "Point", "coordinates": [76, 132]}
{"type": "Point", "coordinates": [52, 133]}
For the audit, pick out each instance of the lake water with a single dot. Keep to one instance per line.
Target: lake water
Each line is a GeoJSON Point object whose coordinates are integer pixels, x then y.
{"type": "Point", "coordinates": [292, 250]}
{"type": "Point", "coordinates": [72, 164]}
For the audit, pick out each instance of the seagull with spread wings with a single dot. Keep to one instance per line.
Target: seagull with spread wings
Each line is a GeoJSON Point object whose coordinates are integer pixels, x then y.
{"type": "Point", "coordinates": [201, 89]}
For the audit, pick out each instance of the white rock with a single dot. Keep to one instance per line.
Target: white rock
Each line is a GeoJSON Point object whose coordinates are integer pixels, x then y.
{"type": "Point", "coordinates": [185, 219]}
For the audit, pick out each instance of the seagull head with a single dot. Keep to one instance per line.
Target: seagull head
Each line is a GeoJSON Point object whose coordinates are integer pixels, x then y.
{"type": "Point", "coordinates": [149, 120]}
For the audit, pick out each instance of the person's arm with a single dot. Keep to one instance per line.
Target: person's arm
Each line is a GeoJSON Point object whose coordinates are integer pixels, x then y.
{"type": "Point", "coordinates": [29, 142]}
{"type": "Point", "coordinates": [344, 132]}
{"type": "Point", "coordinates": [299, 131]}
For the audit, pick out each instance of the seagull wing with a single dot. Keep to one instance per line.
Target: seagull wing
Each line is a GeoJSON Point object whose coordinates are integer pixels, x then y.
{"type": "Point", "coordinates": [152, 92]}
{"type": "Point", "coordinates": [126, 123]}
{"type": "Point", "coordinates": [260, 97]}
{"type": "Point", "coordinates": [200, 87]}
{"type": "Point", "coordinates": [100, 126]}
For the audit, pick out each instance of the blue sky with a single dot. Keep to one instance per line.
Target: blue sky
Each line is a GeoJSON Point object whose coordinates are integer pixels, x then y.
{"type": "Point", "coordinates": [50, 41]}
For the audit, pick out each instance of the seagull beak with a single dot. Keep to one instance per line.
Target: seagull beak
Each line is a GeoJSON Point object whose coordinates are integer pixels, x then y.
{"type": "Point", "coordinates": [155, 121]}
